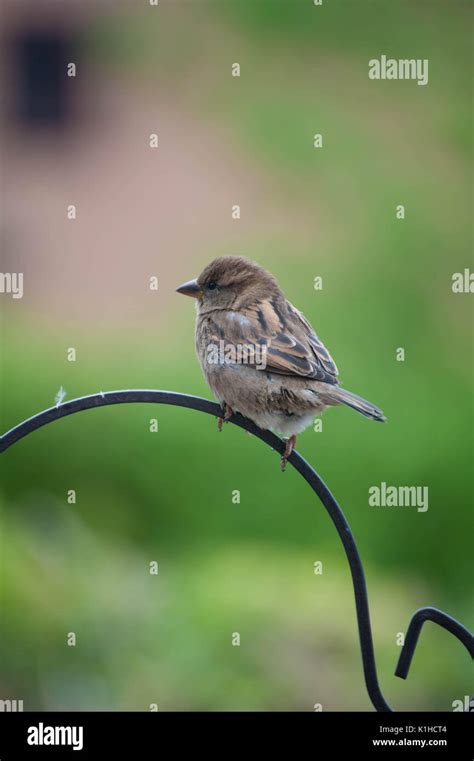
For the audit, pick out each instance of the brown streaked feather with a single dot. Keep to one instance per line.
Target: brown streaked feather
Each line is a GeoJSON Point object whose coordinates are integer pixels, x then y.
{"type": "Point", "coordinates": [293, 348]}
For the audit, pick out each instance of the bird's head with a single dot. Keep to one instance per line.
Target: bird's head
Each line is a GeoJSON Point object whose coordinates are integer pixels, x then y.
{"type": "Point", "coordinates": [230, 282]}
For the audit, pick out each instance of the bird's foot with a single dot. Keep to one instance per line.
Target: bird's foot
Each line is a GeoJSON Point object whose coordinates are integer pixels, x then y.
{"type": "Point", "coordinates": [290, 445]}
{"type": "Point", "coordinates": [227, 413]}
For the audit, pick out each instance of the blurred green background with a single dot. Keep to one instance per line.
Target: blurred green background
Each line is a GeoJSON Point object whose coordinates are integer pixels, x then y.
{"type": "Point", "coordinates": [167, 496]}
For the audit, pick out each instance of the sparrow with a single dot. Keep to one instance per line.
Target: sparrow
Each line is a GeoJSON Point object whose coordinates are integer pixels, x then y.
{"type": "Point", "coordinates": [259, 354]}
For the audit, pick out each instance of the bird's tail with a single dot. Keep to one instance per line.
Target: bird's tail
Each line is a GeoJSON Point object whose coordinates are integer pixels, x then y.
{"type": "Point", "coordinates": [341, 396]}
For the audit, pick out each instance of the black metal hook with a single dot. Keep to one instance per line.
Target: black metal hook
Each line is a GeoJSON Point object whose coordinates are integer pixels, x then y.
{"type": "Point", "coordinates": [414, 629]}
{"type": "Point", "coordinates": [318, 486]}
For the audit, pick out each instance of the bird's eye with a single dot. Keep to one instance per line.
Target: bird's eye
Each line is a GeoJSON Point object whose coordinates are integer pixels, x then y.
{"type": "Point", "coordinates": [212, 285]}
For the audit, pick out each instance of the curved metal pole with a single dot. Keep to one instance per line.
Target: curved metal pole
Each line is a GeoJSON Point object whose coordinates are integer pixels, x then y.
{"type": "Point", "coordinates": [303, 467]}
{"type": "Point", "coordinates": [414, 629]}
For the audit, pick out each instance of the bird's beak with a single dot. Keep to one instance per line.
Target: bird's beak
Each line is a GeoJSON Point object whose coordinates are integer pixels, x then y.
{"type": "Point", "coordinates": [191, 288]}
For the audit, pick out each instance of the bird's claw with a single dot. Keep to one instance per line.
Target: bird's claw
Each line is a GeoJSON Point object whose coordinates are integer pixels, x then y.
{"type": "Point", "coordinates": [227, 414]}
{"type": "Point", "coordinates": [289, 446]}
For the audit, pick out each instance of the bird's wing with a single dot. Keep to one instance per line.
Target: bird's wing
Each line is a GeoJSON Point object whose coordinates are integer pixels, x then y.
{"type": "Point", "coordinates": [291, 346]}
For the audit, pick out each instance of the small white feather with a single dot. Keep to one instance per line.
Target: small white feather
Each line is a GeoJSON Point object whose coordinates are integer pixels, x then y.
{"type": "Point", "coordinates": [60, 396]}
